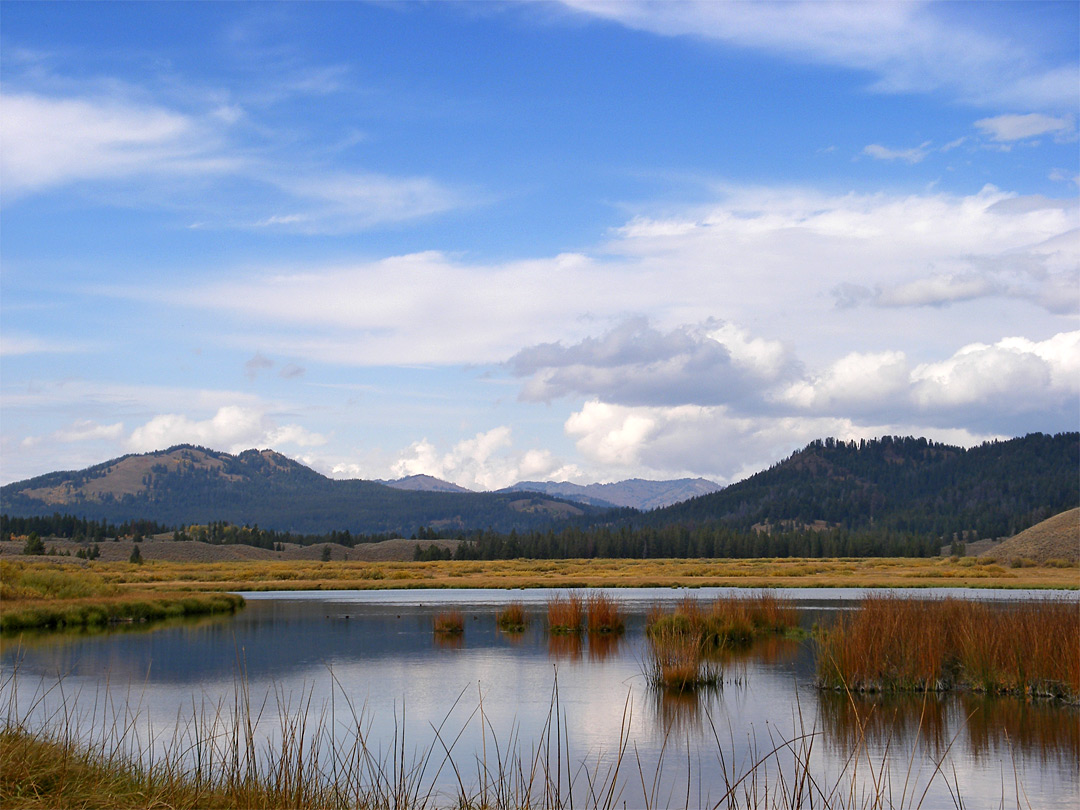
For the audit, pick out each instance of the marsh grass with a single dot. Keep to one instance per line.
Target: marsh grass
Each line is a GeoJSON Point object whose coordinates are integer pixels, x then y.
{"type": "Point", "coordinates": [512, 618]}
{"type": "Point", "coordinates": [449, 623]}
{"type": "Point", "coordinates": [604, 614]}
{"type": "Point", "coordinates": [55, 596]}
{"type": "Point", "coordinates": [566, 613]}
{"type": "Point", "coordinates": [726, 622]}
{"type": "Point", "coordinates": [97, 612]}
{"type": "Point", "coordinates": [889, 644]}
{"type": "Point", "coordinates": [677, 661]}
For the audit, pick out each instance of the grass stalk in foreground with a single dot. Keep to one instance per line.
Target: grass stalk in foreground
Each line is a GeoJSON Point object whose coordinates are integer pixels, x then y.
{"type": "Point", "coordinates": [222, 759]}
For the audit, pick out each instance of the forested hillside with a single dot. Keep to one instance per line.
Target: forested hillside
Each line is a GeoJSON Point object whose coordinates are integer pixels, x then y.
{"type": "Point", "coordinates": [900, 485]}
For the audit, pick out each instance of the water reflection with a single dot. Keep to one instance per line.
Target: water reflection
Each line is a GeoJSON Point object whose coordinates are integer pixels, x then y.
{"type": "Point", "coordinates": [385, 656]}
{"type": "Point", "coordinates": [988, 727]}
{"type": "Point", "coordinates": [603, 646]}
{"type": "Point", "coordinates": [564, 646]}
{"type": "Point", "coordinates": [852, 722]}
{"type": "Point", "coordinates": [1043, 730]}
{"type": "Point", "coordinates": [685, 714]}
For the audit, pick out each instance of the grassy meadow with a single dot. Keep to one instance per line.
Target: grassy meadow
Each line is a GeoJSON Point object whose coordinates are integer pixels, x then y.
{"type": "Point", "coordinates": [258, 575]}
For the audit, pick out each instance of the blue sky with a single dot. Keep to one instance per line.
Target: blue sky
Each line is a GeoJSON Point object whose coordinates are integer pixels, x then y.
{"type": "Point", "coordinates": [576, 241]}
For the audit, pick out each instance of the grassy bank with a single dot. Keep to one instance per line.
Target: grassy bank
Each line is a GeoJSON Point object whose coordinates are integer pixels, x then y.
{"type": "Point", "coordinates": [51, 596]}
{"type": "Point", "coordinates": [599, 573]}
{"type": "Point", "coordinates": [890, 644]}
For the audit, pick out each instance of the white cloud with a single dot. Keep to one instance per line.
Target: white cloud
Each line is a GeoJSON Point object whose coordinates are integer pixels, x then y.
{"type": "Point", "coordinates": [233, 428]}
{"type": "Point", "coordinates": [637, 364]}
{"type": "Point", "coordinates": [979, 385]}
{"type": "Point", "coordinates": [49, 141]}
{"type": "Point", "coordinates": [484, 462]}
{"type": "Point", "coordinates": [768, 256]}
{"type": "Point", "coordinates": [86, 430]}
{"type": "Point", "coordinates": [344, 202]}
{"type": "Point", "coordinates": [669, 442]}
{"type": "Point", "coordinates": [854, 383]}
{"type": "Point", "coordinates": [52, 141]}
{"type": "Point", "coordinates": [912, 155]}
{"type": "Point", "coordinates": [1019, 127]}
{"type": "Point", "coordinates": [906, 45]}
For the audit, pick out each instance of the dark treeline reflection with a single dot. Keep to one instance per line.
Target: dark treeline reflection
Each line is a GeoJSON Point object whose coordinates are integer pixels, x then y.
{"type": "Point", "coordinates": [989, 726]}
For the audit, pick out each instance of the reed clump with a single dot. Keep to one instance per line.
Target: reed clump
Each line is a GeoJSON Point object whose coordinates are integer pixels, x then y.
{"type": "Point", "coordinates": [604, 614]}
{"type": "Point", "coordinates": [512, 618]}
{"type": "Point", "coordinates": [729, 622]}
{"type": "Point", "coordinates": [677, 660]}
{"type": "Point", "coordinates": [449, 623]}
{"type": "Point", "coordinates": [566, 614]}
{"type": "Point", "coordinates": [892, 644]}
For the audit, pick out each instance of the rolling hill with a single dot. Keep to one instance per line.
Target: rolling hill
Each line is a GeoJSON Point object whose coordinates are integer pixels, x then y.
{"type": "Point", "coordinates": [1057, 537]}
{"type": "Point", "coordinates": [901, 485]}
{"type": "Point", "coordinates": [187, 484]}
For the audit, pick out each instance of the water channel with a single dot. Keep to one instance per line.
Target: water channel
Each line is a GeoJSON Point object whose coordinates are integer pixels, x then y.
{"type": "Point", "coordinates": [447, 711]}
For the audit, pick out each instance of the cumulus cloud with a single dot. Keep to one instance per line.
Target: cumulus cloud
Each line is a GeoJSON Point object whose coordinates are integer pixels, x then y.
{"type": "Point", "coordinates": [912, 155]}
{"type": "Point", "coordinates": [980, 391]}
{"type": "Point", "coordinates": [908, 46]}
{"type": "Point", "coordinates": [980, 385]}
{"type": "Point", "coordinates": [233, 428]}
{"type": "Point", "coordinates": [485, 461]}
{"type": "Point", "coordinates": [668, 442]}
{"type": "Point", "coordinates": [1020, 127]}
{"type": "Point", "coordinates": [637, 364]}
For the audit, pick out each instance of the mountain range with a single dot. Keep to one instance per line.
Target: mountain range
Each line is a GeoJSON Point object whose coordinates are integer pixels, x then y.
{"type": "Point", "coordinates": [635, 493]}
{"type": "Point", "coordinates": [899, 486]}
{"type": "Point", "coordinates": [193, 485]}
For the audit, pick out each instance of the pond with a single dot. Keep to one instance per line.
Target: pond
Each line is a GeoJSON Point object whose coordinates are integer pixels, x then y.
{"type": "Point", "coordinates": [441, 713]}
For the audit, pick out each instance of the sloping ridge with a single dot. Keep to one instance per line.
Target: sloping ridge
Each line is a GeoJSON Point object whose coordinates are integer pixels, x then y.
{"type": "Point", "coordinates": [1056, 538]}
{"type": "Point", "coordinates": [902, 485]}
{"type": "Point", "coordinates": [192, 485]}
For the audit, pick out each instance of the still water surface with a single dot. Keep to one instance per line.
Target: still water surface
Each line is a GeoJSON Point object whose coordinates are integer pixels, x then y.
{"type": "Point", "coordinates": [369, 659]}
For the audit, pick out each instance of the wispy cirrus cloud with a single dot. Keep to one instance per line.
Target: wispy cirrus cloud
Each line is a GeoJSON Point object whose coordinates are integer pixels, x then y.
{"type": "Point", "coordinates": [911, 155]}
{"type": "Point", "coordinates": [1021, 127]}
{"type": "Point", "coordinates": [909, 47]}
{"type": "Point", "coordinates": [50, 141]}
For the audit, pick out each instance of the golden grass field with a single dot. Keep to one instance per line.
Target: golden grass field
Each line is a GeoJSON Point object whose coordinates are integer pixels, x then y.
{"type": "Point", "coordinates": [577, 573]}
